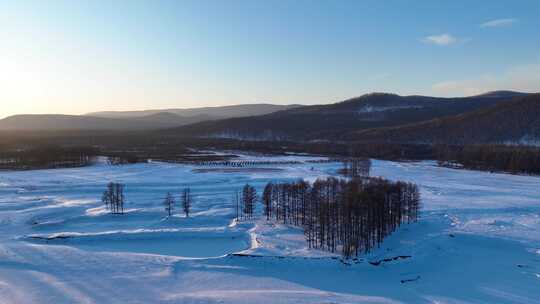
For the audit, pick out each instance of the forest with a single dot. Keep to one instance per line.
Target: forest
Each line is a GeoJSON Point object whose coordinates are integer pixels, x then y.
{"type": "Point", "coordinates": [513, 159]}
{"type": "Point", "coordinates": [47, 158]}
{"type": "Point", "coordinates": [55, 150]}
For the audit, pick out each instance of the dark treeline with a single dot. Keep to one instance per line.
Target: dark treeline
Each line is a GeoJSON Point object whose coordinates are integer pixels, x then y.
{"type": "Point", "coordinates": [177, 148]}
{"type": "Point", "coordinates": [47, 158]}
{"type": "Point", "coordinates": [22, 150]}
{"type": "Point", "coordinates": [353, 216]}
{"type": "Point", "coordinates": [514, 159]}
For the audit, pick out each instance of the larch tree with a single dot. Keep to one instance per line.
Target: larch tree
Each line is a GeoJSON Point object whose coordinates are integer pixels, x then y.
{"type": "Point", "coordinates": [169, 204]}
{"type": "Point", "coordinates": [267, 200]}
{"type": "Point", "coordinates": [187, 201]}
{"type": "Point", "coordinates": [249, 197]}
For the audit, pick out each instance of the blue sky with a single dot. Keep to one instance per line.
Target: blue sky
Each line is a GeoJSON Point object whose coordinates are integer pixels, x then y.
{"type": "Point", "coordinates": [81, 56]}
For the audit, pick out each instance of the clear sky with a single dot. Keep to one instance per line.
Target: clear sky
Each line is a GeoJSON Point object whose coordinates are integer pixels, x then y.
{"type": "Point", "coordinates": [75, 57]}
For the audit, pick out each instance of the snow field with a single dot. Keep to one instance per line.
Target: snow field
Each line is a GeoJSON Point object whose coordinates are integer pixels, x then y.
{"type": "Point", "coordinates": [478, 240]}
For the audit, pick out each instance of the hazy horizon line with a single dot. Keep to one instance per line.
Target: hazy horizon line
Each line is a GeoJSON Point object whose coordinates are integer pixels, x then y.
{"type": "Point", "coordinates": [165, 109]}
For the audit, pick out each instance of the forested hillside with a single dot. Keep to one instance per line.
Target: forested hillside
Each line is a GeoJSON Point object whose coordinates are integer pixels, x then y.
{"type": "Point", "coordinates": [516, 122]}
{"type": "Point", "coordinates": [334, 121]}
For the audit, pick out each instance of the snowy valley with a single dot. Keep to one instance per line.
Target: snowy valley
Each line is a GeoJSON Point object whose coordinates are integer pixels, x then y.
{"type": "Point", "coordinates": [477, 240]}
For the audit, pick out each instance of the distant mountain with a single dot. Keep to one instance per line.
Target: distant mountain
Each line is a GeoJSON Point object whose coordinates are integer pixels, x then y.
{"type": "Point", "coordinates": [134, 120]}
{"type": "Point", "coordinates": [376, 116]}
{"type": "Point", "coordinates": [502, 93]}
{"type": "Point", "coordinates": [514, 122]}
{"type": "Point", "coordinates": [336, 121]}
{"type": "Point", "coordinates": [74, 122]}
{"type": "Point", "coordinates": [170, 119]}
{"type": "Point", "coordinates": [206, 112]}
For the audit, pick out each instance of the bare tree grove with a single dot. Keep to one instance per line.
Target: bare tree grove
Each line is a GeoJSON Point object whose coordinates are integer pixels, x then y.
{"type": "Point", "coordinates": [353, 216]}
{"type": "Point", "coordinates": [113, 198]}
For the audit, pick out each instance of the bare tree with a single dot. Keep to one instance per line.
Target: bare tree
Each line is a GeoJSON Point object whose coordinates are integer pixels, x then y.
{"type": "Point", "coordinates": [187, 201]}
{"type": "Point", "coordinates": [267, 200]}
{"type": "Point", "coordinates": [169, 204]}
{"type": "Point", "coordinates": [107, 197]}
{"type": "Point", "coordinates": [236, 201]}
{"type": "Point", "coordinates": [249, 197]}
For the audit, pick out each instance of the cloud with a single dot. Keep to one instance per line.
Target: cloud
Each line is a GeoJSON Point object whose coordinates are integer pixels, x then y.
{"type": "Point", "coordinates": [524, 78]}
{"type": "Point", "coordinates": [499, 22]}
{"type": "Point", "coordinates": [442, 40]}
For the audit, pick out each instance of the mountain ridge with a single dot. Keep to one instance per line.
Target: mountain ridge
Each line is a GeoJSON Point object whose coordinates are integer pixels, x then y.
{"type": "Point", "coordinates": [132, 120]}
{"type": "Point", "coordinates": [227, 111]}
{"type": "Point", "coordinates": [334, 121]}
{"type": "Point", "coordinates": [513, 122]}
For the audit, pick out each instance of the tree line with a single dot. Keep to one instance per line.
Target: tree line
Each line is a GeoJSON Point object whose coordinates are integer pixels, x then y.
{"type": "Point", "coordinates": [353, 216]}
{"type": "Point", "coordinates": [514, 159]}
{"type": "Point", "coordinates": [47, 157]}
{"type": "Point", "coordinates": [39, 151]}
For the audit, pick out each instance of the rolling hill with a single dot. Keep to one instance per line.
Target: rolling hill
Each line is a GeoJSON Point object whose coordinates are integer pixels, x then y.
{"type": "Point", "coordinates": [514, 122]}
{"type": "Point", "coordinates": [336, 121]}
{"type": "Point", "coordinates": [500, 116]}
{"type": "Point", "coordinates": [134, 120]}
{"type": "Point", "coordinates": [204, 112]}
{"type": "Point", "coordinates": [46, 122]}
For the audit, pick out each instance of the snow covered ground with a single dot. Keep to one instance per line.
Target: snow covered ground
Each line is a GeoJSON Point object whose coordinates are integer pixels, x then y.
{"type": "Point", "coordinates": [478, 240]}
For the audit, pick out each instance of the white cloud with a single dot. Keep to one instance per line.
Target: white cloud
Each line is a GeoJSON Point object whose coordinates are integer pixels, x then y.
{"type": "Point", "coordinates": [442, 40]}
{"type": "Point", "coordinates": [499, 22]}
{"type": "Point", "coordinates": [524, 78]}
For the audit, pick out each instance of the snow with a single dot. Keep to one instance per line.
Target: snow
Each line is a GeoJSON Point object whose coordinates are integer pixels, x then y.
{"type": "Point", "coordinates": [478, 240]}
{"type": "Point", "coordinates": [372, 109]}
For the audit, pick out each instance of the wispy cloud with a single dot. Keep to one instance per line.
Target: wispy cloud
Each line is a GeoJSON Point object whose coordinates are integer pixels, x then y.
{"type": "Point", "coordinates": [499, 22]}
{"type": "Point", "coordinates": [442, 39]}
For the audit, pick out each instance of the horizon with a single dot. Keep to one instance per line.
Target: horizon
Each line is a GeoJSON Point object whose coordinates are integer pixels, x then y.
{"type": "Point", "coordinates": [164, 110]}
{"type": "Point", "coordinates": [74, 58]}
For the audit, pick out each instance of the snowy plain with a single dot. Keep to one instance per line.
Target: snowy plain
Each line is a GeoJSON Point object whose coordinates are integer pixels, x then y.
{"type": "Point", "coordinates": [478, 240]}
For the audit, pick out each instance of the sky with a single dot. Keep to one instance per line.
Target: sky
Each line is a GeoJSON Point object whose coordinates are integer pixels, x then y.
{"type": "Point", "coordinates": [74, 57]}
